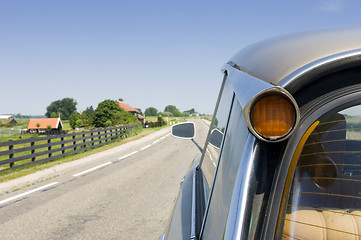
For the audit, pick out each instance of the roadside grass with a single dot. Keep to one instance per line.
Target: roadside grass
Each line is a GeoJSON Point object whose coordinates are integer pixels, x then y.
{"type": "Point", "coordinates": [66, 125]}
{"type": "Point", "coordinates": [132, 135]}
{"type": "Point", "coordinates": [170, 120]}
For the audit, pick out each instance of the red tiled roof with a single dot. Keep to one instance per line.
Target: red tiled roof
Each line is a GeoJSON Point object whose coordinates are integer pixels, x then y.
{"type": "Point", "coordinates": [9, 121]}
{"type": "Point", "coordinates": [44, 123]}
{"type": "Point", "coordinates": [127, 107]}
{"type": "Point", "coordinates": [140, 116]}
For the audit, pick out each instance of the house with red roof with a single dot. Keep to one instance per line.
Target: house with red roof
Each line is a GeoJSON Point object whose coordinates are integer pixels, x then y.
{"type": "Point", "coordinates": [10, 121]}
{"type": "Point", "coordinates": [132, 110]}
{"type": "Point", "coordinates": [41, 125]}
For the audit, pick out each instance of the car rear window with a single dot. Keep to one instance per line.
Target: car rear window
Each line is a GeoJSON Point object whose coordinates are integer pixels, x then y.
{"type": "Point", "coordinates": [324, 198]}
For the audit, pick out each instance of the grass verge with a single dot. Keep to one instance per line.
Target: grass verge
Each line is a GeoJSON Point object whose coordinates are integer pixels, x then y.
{"type": "Point", "coordinates": [132, 135]}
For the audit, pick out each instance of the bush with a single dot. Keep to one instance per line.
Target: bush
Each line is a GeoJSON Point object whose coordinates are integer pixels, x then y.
{"type": "Point", "coordinates": [79, 123]}
{"type": "Point", "coordinates": [74, 117]}
{"type": "Point", "coordinates": [161, 120]}
{"type": "Point", "coordinates": [166, 114]}
{"type": "Point", "coordinates": [108, 113]}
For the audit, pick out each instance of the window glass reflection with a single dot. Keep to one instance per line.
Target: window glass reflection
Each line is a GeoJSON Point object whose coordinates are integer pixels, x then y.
{"type": "Point", "coordinates": [220, 121]}
{"type": "Point", "coordinates": [325, 196]}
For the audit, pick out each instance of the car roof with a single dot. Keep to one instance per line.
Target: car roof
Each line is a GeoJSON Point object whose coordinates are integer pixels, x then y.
{"type": "Point", "coordinates": [274, 60]}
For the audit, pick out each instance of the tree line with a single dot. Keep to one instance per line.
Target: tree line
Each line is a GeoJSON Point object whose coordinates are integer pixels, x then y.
{"type": "Point", "coordinates": [169, 111]}
{"type": "Point", "coordinates": [108, 113]}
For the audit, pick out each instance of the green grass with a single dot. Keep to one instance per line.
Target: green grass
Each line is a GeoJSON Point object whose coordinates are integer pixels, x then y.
{"type": "Point", "coordinates": [132, 135]}
{"type": "Point", "coordinates": [66, 125]}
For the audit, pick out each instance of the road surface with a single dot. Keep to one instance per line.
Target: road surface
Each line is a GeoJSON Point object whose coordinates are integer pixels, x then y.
{"type": "Point", "coordinates": [127, 192]}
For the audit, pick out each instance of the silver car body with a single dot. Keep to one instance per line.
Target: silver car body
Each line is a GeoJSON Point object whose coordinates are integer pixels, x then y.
{"type": "Point", "coordinates": [242, 196]}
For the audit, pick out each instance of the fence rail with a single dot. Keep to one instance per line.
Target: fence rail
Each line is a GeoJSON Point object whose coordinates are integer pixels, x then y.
{"type": "Point", "coordinates": [21, 153]}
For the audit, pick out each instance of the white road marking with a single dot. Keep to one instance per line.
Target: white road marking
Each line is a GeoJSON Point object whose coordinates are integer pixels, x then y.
{"type": "Point", "coordinates": [145, 147]}
{"type": "Point", "coordinates": [26, 193]}
{"type": "Point", "coordinates": [128, 155]}
{"type": "Point", "coordinates": [92, 169]}
{"type": "Point", "coordinates": [155, 141]}
{"type": "Point", "coordinates": [162, 138]}
{"type": "Point", "coordinates": [167, 135]}
{"type": "Point", "coordinates": [210, 156]}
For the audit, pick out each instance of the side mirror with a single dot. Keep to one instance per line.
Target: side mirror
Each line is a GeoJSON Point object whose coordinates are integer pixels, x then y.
{"type": "Point", "coordinates": [215, 139]}
{"type": "Point", "coordinates": [184, 130]}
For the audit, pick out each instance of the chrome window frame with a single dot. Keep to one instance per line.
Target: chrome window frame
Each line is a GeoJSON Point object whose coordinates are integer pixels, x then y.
{"type": "Point", "coordinates": [235, 225]}
{"type": "Point", "coordinates": [257, 88]}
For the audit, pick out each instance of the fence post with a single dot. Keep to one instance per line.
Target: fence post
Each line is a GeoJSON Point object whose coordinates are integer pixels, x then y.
{"type": "Point", "coordinates": [106, 140]}
{"type": "Point", "coordinates": [100, 141]}
{"type": "Point", "coordinates": [11, 155]}
{"type": "Point", "coordinates": [49, 147]}
{"type": "Point", "coordinates": [32, 144]}
{"type": "Point", "coordinates": [84, 140]}
{"type": "Point", "coordinates": [62, 145]}
{"type": "Point", "coordinates": [74, 142]}
{"type": "Point", "coordinates": [121, 133]}
{"type": "Point", "coordinates": [91, 134]}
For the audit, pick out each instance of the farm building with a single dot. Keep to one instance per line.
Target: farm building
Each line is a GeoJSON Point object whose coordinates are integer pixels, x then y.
{"type": "Point", "coordinates": [10, 121]}
{"type": "Point", "coordinates": [5, 116]}
{"type": "Point", "coordinates": [132, 110]}
{"type": "Point", "coordinates": [41, 125]}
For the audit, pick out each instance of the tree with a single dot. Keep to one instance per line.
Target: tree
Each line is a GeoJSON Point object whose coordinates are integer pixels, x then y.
{"type": "Point", "coordinates": [151, 111]}
{"type": "Point", "coordinates": [108, 113]}
{"type": "Point", "coordinates": [74, 117]}
{"type": "Point", "coordinates": [161, 120]}
{"type": "Point", "coordinates": [166, 114]}
{"type": "Point", "coordinates": [65, 107]}
{"type": "Point", "coordinates": [190, 111]}
{"type": "Point", "coordinates": [87, 116]}
{"type": "Point", "coordinates": [170, 108]}
{"type": "Point", "coordinates": [54, 115]}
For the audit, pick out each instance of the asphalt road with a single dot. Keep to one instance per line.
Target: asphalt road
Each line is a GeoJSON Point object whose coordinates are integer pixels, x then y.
{"type": "Point", "coordinates": [124, 193]}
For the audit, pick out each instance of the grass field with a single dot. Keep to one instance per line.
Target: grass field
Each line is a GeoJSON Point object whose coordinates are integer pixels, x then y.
{"type": "Point", "coordinates": [169, 120]}
{"type": "Point", "coordinates": [12, 174]}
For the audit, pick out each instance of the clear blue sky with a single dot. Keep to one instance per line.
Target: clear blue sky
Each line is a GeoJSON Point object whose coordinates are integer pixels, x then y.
{"type": "Point", "coordinates": [150, 53]}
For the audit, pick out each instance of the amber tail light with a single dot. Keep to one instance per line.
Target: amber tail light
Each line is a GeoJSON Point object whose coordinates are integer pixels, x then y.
{"type": "Point", "coordinates": [273, 115]}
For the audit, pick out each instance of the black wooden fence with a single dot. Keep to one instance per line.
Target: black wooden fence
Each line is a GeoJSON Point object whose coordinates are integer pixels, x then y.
{"type": "Point", "coordinates": [20, 153]}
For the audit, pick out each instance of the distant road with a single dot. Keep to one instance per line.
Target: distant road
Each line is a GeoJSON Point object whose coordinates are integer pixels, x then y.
{"type": "Point", "coordinates": [124, 193]}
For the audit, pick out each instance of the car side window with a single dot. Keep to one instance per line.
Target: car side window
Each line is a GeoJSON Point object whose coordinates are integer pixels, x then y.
{"type": "Point", "coordinates": [230, 159]}
{"type": "Point", "coordinates": [211, 153]}
{"type": "Point", "coordinates": [324, 196]}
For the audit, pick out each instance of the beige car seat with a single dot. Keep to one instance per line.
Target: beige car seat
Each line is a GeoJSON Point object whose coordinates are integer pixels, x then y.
{"type": "Point", "coordinates": [328, 224]}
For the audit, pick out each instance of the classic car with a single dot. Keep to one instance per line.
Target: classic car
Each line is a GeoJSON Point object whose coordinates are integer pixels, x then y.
{"type": "Point", "coordinates": [282, 159]}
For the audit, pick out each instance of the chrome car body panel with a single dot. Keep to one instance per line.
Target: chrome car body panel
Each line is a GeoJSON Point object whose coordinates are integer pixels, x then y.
{"type": "Point", "coordinates": [245, 91]}
{"type": "Point", "coordinates": [236, 217]}
{"type": "Point", "coordinates": [253, 178]}
{"type": "Point", "coordinates": [247, 94]}
{"type": "Point", "coordinates": [304, 75]}
{"type": "Point", "coordinates": [274, 59]}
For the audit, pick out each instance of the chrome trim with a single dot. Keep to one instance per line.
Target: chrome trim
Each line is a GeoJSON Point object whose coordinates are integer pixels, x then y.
{"type": "Point", "coordinates": [205, 193]}
{"type": "Point", "coordinates": [212, 122]}
{"type": "Point", "coordinates": [256, 88]}
{"type": "Point", "coordinates": [236, 216]}
{"type": "Point", "coordinates": [292, 81]}
{"type": "Point", "coordinates": [250, 104]}
{"type": "Point", "coordinates": [244, 85]}
{"type": "Point", "coordinates": [162, 237]}
{"type": "Point", "coordinates": [193, 223]}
